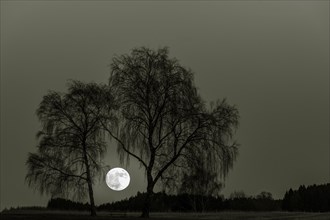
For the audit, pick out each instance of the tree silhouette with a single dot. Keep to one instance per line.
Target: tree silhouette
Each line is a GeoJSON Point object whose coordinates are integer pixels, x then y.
{"type": "Point", "coordinates": [314, 198]}
{"type": "Point", "coordinates": [199, 180]}
{"type": "Point", "coordinates": [163, 120]}
{"type": "Point", "coordinates": [238, 195]}
{"type": "Point", "coordinates": [265, 196]}
{"type": "Point", "coordinates": [71, 142]}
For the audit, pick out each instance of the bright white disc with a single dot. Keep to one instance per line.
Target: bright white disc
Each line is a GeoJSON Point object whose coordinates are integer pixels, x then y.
{"type": "Point", "coordinates": [117, 179]}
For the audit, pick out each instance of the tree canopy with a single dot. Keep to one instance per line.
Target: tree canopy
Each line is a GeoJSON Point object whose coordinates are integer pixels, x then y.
{"type": "Point", "coordinates": [163, 121]}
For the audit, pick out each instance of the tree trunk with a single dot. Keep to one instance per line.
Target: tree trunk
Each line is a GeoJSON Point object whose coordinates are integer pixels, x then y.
{"type": "Point", "coordinates": [147, 203]}
{"type": "Point", "coordinates": [89, 183]}
{"type": "Point", "coordinates": [150, 192]}
{"type": "Point", "coordinates": [150, 187]}
{"type": "Point", "coordinates": [91, 198]}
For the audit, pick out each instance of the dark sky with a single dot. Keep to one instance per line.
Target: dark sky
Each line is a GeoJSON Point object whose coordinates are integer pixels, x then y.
{"type": "Point", "coordinates": [270, 58]}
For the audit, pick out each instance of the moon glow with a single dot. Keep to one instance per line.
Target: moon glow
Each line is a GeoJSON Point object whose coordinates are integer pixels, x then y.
{"type": "Point", "coordinates": [117, 179]}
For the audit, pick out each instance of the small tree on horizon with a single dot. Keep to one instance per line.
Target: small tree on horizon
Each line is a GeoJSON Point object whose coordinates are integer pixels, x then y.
{"type": "Point", "coordinates": [162, 119]}
{"type": "Point", "coordinates": [71, 142]}
{"type": "Point", "coordinates": [199, 180]}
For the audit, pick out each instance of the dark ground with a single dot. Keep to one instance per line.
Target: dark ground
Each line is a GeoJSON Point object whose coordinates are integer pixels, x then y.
{"type": "Point", "coordinates": [57, 215]}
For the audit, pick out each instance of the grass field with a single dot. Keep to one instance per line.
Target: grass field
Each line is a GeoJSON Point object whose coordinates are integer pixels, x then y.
{"type": "Point", "coordinates": [55, 215]}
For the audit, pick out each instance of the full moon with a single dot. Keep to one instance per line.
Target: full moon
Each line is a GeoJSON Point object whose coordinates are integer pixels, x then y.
{"type": "Point", "coordinates": [117, 179]}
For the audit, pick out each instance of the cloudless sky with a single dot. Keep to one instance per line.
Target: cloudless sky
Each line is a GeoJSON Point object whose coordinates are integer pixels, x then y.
{"type": "Point", "coordinates": [270, 58]}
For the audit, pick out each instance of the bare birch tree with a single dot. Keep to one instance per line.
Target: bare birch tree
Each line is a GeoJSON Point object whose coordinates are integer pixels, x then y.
{"type": "Point", "coordinates": [71, 142]}
{"type": "Point", "coordinates": [162, 119]}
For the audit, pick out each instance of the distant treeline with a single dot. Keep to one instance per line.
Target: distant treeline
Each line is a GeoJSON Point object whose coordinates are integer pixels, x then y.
{"type": "Point", "coordinates": [193, 203]}
{"type": "Point", "coordinates": [162, 202]}
{"type": "Point", "coordinates": [315, 198]}
{"type": "Point", "coordinates": [23, 208]}
{"type": "Point", "coordinates": [65, 204]}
